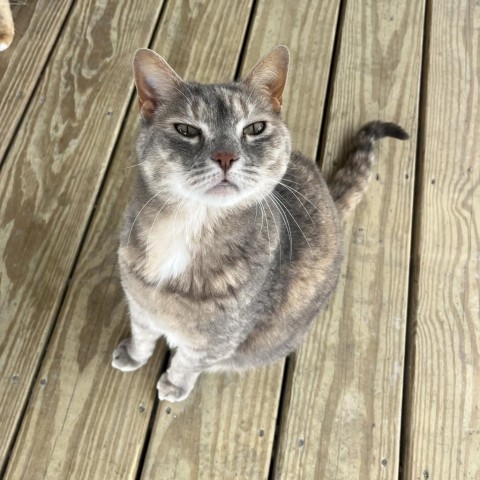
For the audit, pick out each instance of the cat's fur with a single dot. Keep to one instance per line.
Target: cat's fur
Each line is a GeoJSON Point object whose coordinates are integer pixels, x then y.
{"type": "Point", "coordinates": [232, 276]}
{"type": "Point", "coordinates": [7, 29]}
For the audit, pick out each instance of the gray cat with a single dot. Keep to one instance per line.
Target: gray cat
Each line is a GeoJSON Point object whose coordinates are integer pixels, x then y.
{"type": "Point", "coordinates": [232, 243]}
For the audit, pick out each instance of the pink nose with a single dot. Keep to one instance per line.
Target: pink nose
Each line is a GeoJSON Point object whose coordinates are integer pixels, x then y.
{"type": "Point", "coordinates": [225, 159]}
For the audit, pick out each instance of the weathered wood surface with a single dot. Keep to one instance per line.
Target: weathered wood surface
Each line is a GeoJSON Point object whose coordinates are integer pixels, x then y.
{"type": "Point", "coordinates": [226, 428]}
{"type": "Point", "coordinates": [341, 407]}
{"type": "Point", "coordinates": [342, 411]}
{"type": "Point", "coordinates": [37, 25]}
{"type": "Point", "coordinates": [51, 177]}
{"type": "Point", "coordinates": [86, 409]}
{"type": "Point", "coordinates": [443, 415]}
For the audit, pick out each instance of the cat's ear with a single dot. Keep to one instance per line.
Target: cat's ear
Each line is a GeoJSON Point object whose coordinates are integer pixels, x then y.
{"type": "Point", "coordinates": [270, 74]}
{"type": "Point", "coordinates": [155, 79]}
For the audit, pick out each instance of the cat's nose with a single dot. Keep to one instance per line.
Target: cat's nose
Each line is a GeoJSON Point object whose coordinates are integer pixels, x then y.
{"type": "Point", "coordinates": [225, 159]}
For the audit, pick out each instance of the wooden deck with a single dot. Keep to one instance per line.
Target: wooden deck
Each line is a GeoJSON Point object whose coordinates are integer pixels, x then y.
{"type": "Point", "coordinates": [387, 384]}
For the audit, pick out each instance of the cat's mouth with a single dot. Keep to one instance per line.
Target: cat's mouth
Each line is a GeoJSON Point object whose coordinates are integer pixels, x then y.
{"type": "Point", "coordinates": [224, 187]}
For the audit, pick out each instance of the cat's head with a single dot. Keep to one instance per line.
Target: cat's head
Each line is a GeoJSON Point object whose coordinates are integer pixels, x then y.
{"type": "Point", "coordinates": [221, 144]}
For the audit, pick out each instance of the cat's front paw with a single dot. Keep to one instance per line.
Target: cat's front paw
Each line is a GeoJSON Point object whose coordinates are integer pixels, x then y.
{"type": "Point", "coordinates": [122, 360]}
{"type": "Point", "coordinates": [6, 27]}
{"type": "Point", "coordinates": [170, 392]}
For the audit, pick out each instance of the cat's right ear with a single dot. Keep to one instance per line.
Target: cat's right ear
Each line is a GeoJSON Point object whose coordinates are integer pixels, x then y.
{"type": "Point", "coordinates": [155, 80]}
{"type": "Point", "coordinates": [270, 75]}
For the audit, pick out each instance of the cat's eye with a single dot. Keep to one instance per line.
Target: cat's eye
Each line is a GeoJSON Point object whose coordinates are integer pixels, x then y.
{"type": "Point", "coordinates": [254, 128]}
{"type": "Point", "coordinates": [187, 130]}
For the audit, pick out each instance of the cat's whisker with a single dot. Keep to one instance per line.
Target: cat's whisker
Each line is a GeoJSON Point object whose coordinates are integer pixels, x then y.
{"type": "Point", "coordinates": [292, 190]}
{"type": "Point", "coordinates": [296, 191]}
{"type": "Point", "coordinates": [252, 92]}
{"type": "Point", "coordinates": [246, 176]}
{"type": "Point", "coordinates": [291, 181]}
{"type": "Point", "coordinates": [175, 217]}
{"type": "Point", "coordinates": [202, 183]}
{"type": "Point", "coordinates": [138, 214]}
{"type": "Point", "coordinates": [179, 91]}
{"type": "Point", "coordinates": [189, 91]}
{"type": "Point", "coordinates": [268, 230]}
{"type": "Point", "coordinates": [249, 170]}
{"type": "Point", "coordinates": [149, 247]}
{"type": "Point", "coordinates": [278, 232]}
{"type": "Point", "coordinates": [132, 166]}
{"type": "Point", "coordinates": [200, 169]}
{"type": "Point", "coordinates": [201, 173]}
{"type": "Point", "coordinates": [271, 195]}
{"type": "Point", "coordinates": [304, 236]}
{"type": "Point", "coordinates": [261, 226]}
{"type": "Point", "coordinates": [249, 98]}
{"type": "Point", "coordinates": [285, 221]}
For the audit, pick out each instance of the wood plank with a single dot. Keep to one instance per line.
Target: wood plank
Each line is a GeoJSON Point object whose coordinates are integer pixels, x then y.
{"type": "Point", "coordinates": [443, 429]}
{"type": "Point", "coordinates": [51, 177]}
{"type": "Point", "coordinates": [89, 420]}
{"type": "Point", "coordinates": [225, 429]}
{"type": "Point", "coordinates": [344, 391]}
{"type": "Point", "coordinates": [37, 25]}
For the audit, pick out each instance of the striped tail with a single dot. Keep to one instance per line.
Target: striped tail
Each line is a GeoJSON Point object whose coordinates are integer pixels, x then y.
{"type": "Point", "coordinates": [350, 182]}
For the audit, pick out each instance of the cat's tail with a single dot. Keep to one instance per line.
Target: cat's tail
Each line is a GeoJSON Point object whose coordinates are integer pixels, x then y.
{"type": "Point", "coordinates": [350, 182]}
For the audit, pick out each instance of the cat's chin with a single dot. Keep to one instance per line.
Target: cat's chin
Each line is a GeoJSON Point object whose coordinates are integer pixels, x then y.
{"type": "Point", "coordinates": [223, 189]}
{"type": "Point", "coordinates": [222, 194]}
{"type": "Point", "coordinates": [225, 195]}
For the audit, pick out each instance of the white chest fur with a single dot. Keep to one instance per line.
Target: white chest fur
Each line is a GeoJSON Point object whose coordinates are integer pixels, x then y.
{"type": "Point", "coordinates": [170, 244]}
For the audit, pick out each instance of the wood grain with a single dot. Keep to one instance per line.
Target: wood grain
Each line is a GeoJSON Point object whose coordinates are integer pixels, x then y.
{"type": "Point", "coordinates": [223, 430]}
{"type": "Point", "coordinates": [443, 415]}
{"type": "Point", "coordinates": [342, 409]}
{"type": "Point", "coordinates": [37, 25]}
{"type": "Point", "coordinates": [342, 405]}
{"type": "Point", "coordinates": [226, 428]}
{"type": "Point", "coordinates": [89, 420]}
{"type": "Point", "coordinates": [51, 177]}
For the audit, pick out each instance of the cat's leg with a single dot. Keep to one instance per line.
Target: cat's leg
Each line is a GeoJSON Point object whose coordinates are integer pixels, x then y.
{"type": "Point", "coordinates": [134, 352]}
{"type": "Point", "coordinates": [6, 25]}
{"type": "Point", "coordinates": [186, 365]}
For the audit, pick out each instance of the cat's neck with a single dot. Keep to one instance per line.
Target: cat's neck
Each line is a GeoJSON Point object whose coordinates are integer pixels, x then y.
{"type": "Point", "coordinates": [171, 237]}
{"type": "Point", "coordinates": [169, 241]}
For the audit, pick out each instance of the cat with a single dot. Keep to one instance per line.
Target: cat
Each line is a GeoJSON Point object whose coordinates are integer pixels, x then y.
{"type": "Point", "coordinates": [7, 29]}
{"type": "Point", "coordinates": [232, 243]}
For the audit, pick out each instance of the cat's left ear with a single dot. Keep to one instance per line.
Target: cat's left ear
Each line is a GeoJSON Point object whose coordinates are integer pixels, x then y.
{"type": "Point", "coordinates": [270, 74]}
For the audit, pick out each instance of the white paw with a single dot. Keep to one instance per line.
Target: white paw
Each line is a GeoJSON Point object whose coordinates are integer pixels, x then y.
{"type": "Point", "coordinates": [170, 392]}
{"type": "Point", "coordinates": [122, 360]}
{"type": "Point", "coordinates": [6, 34]}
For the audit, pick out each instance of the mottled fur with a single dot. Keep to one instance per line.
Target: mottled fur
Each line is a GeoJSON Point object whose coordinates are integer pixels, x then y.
{"type": "Point", "coordinates": [230, 265]}
{"type": "Point", "coordinates": [350, 182]}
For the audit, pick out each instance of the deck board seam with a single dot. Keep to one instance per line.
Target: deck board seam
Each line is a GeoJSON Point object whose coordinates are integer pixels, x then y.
{"type": "Point", "coordinates": [246, 40]}
{"type": "Point", "coordinates": [322, 137]}
{"type": "Point", "coordinates": [289, 367]}
{"type": "Point", "coordinates": [409, 351]}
